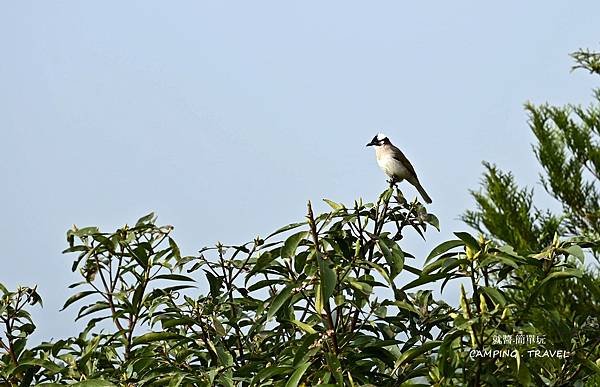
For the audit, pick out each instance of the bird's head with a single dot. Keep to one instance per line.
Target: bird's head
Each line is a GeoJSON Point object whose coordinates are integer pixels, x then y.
{"type": "Point", "coordinates": [379, 139]}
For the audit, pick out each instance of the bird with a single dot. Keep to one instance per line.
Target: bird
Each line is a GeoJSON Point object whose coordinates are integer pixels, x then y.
{"type": "Point", "coordinates": [393, 162]}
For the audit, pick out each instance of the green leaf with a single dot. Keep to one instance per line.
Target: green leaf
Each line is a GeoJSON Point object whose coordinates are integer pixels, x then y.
{"type": "Point", "coordinates": [176, 380]}
{"type": "Point", "coordinates": [93, 308]}
{"type": "Point", "coordinates": [443, 247]}
{"type": "Point", "coordinates": [593, 287]}
{"type": "Point", "coordinates": [154, 336]}
{"type": "Point", "coordinates": [173, 322]}
{"type": "Point", "coordinates": [468, 239]}
{"type": "Point", "coordinates": [300, 260]}
{"type": "Point", "coordinates": [305, 327]}
{"type": "Point", "coordinates": [218, 326]}
{"type": "Point", "coordinates": [141, 256]}
{"type": "Point", "coordinates": [226, 379]}
{"type": "Point", "coordinates": [174, 249]}
{"type": "Point", "coordinates": [433, 220]}
{"type": "Point", "coordinates": [290, 226]}
{"type": "Point", "coordinates": [412, 353]}
{"type": "Point", "coordinates": [492, 259]}
{"type": "Point", "coordinates": [362, 287]}
{"type": "Point", "coordinates": [279, 300]}
{"type": "Point", "coordinates": [381, 271]}
{"type": "Point", "coordinates": [291, 244]}
{"type": "Point", "coordinates": [77, 296]}
{"type": "Point", "coordinates": [318, 299]}
{"type": "Point", "coordinates": [144, 219]}
{"type": "Point", "coordinates": [556, 275]}
{"type": "Point", "coordinates": [335, 367]}
{"type": "Point", "coordinates": [263, 261]}
{"type": "Point", "coordinates": [224, 356]}
{"type": "Point", "coordinates": [75, 249]}
{"type": "Point", "coordinates": [138, 294]}
{"type": "Point", "coordinates": [591, 365]}
{"type": "Point", "coordinates": [93, 383]}
{"type": "Point", "coordinates": [297, 375]}
{"type": "Point", "coordinates": [46, 364]}
{"type": "Point", "coordinates": [567, 273]}
{"type": "Point", "coordinates": [577, 252]}
{"type": "Point", "coordinates": [406, 306]}
{"type": "Point", "coordinates": [306, 348]}
{"type": "Point", "coordinates": [86, 231]}
{"type": "Point", "coordinates": [495, 294]}
{"type": "Point", "coordinates": [334, 205]}
{"type": "Point", "coordinates": [393, 256]}
{"type": "Point", "coordinates": [510, 251]}
{"type": "Point", "coordinates": [386, 195]}
{"type": "Point", "coordinates": [328, 280]}
{"type": "Point", "coordinates": [174, 277]}
{"type": "Point", "coordinates": [444, 263]}
{"type": "Point", "coordinates": [424, 279]}
{"type": "Point", "coordinates": [271, 371]}
{"type": "Point", "coordinates": [214, 283]}
{"type": "Point", "coordinates": [412, 270]}
{"type": "Point", "coordinates": [263, 283]}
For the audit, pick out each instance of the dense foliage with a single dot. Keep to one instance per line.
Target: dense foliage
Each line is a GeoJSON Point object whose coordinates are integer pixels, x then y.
{"type": "Point", "coordinates": [301, 306]}
{"type": "Point", "coordinates": [335, 299]}
{"type": "Point", "coordinates": [568, 152]}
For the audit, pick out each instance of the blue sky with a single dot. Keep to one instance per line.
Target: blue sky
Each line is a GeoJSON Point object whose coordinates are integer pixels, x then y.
{"type": "Point", "coordinates": [226, 117]}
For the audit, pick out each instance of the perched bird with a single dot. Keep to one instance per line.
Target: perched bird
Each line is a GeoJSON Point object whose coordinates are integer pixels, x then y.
{"type": "Point", "coordinates": [393, 162]}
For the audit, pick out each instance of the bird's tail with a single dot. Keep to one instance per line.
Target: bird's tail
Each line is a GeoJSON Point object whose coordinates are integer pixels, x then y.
{"type": "Point", "coordinates": [421, 190]}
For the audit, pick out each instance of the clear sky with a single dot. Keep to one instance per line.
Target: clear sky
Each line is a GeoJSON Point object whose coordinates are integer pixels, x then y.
{"type": "Point", "coordinates": [226, 117]}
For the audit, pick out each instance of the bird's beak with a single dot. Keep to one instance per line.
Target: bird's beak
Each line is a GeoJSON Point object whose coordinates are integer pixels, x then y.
{"type": "Point", "coordinates": [371, 143]}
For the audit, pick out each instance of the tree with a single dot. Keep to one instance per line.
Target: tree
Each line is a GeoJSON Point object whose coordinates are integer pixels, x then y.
{"type": "Point", "coordinates": [568, 151]}
{"type": "Point", "coordinates": [320, 302]}
{"type": "Point", "coordinates": [298, 307]}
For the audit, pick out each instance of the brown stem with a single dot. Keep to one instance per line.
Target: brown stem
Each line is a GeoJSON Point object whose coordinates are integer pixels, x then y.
{"type": "Point", "coordinates": [109, 292]}
{"type": "Point", "coordinates": [133, 318]}
{"type": "Point", "coordinates": [377, 228]}
{"type": "Point", "coordinates": [379, 221]}
{"type": "Point", "coordinates": [478, 340]}
{"type": "Point", "coordinates": [315, 236]}
{"type": "Point", "coordinates": [9, 337]}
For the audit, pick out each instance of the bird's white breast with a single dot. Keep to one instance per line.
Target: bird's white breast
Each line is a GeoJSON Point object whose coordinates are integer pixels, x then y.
{"type": "Point", "coordinates": [391, 166]}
